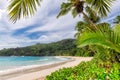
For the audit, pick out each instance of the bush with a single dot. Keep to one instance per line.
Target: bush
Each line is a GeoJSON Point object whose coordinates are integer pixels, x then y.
{"type": "Point", "coordinates": [61, 74]}
{"type": "Point", "coordinates": [88, 71]}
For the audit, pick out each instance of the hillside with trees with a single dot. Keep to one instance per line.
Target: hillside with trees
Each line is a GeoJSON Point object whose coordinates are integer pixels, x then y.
{"type": "Point", "coordinates": [63, 47]}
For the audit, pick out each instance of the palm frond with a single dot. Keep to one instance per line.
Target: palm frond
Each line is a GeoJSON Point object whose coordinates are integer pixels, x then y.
{"type": "Point", "coordinates": [102, 6]}
{"type": "Point", "coordinates": [22, 8]}
{"type": "Point", "coordinates": [116, 29]}
{"type": "Point", "coordinates": [103, 28]}
{"type": "Point", "coordinates": [105, 38]}
{"type": "Point", "coordinates": [65, 8]}
{"type": "Point", "coordinates": [117, 20]}
{"type": "Point", "coordinates": [80, 27]}
{"type": "Point", "coordinates": [93, 16]}
{"type": "Point", "coordinates": [74, 12]}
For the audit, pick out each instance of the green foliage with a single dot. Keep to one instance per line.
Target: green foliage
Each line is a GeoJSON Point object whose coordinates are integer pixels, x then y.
{"type": "Point", "coordinates": [102, 67]}
{"type": "Point", "coordinates": [92, 70]}
{"type": "Point", "coordinates": [74, 12]}
{"type": "Point", "coordinates": [101, 6]}
{"type": "Point", "coordinates": [22, 8]}
{"type": "Point", "coordinates": [92, 15]}
{"type": "Point", "coordinates": [65, 47]}
{"type": "Point", "coordinates": [117, 20]}
{"type": "Point", "coordinates": [103, 36]}
{"type": "Point", "coordinates": [116, 29]}
{"type": "Point", "coordinates": [65, 73]}
{"type": "Point", "coordinates": [105, 64]}
{"type": "Point", "coordinates": [66, 7]}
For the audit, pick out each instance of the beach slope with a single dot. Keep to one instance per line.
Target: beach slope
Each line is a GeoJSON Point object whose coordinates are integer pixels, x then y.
{"type": "Point", "coordinates": [48, 69]}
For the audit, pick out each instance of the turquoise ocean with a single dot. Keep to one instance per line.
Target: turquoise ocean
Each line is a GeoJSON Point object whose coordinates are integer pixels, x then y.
{"type": "Point", "coordinates": [19, 61]}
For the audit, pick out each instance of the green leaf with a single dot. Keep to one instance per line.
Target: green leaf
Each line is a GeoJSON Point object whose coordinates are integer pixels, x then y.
{"type": "Point", "coordinates": [101, 6]}
{"type": "Point", "coordinates": [22, 8]}
{"type": "Point", "coordinates": [74, 12]}
{"type": "Point", "coordinates": [103, 37]}
{"type": "Point", "coordinates": [65, 8]}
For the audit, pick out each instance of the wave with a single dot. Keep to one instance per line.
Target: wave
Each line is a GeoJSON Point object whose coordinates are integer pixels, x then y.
{"type": "Point", "coordinates": [25, 68]}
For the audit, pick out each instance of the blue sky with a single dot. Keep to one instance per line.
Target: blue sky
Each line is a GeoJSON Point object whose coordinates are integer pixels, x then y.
{"type": "Point", "coordinates": [43, 27]}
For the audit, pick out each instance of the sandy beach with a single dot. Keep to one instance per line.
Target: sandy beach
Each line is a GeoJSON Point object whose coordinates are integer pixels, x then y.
{"type": "Point", "coordinates": [39, 72]}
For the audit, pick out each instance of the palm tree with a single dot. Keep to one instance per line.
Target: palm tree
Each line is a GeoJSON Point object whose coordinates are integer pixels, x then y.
{"type": "Point", "coordinates": [117, 20]}
{"type": "Point", "coordinates": [101, 7]}
{"type": "Point", "coordinates": [105, 37]}
{"type": "Point", "coordinates": [22, 8]}
{"type": "Point", "coordinates": [80, 27]}
{"type": "Point", "coordinates": [84, 25]}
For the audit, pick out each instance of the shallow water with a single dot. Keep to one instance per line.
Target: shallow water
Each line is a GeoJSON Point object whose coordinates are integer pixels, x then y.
{"type": "Point", "coordinates": [19, 61]}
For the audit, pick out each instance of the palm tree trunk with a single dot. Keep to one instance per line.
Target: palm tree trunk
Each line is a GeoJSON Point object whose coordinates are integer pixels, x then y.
{"type": "Point", "coordinates": [93, 26]}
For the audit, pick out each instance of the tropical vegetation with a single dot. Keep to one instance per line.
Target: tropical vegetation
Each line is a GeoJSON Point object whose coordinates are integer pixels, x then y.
{"type": "Point", "coordinates": [105, 64]}
{"type": "Point", "coordinates": [88, 71]}
{"type": "Point", "coordinates": [22, 8]}
{"type": "Point", "coordinates": [66, 47]}
{"type": "Point", "coordinates": [117, 20]}
{"type": "Point", "coordinates": [102, 39]}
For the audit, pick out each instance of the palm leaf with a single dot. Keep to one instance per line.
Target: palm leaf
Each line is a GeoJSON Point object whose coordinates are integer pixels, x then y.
{"type": "Point", "coordinates": [116, 28]}
{"type": "Point", "coordinates": [101, 6]}
{"type": "Point", "coordinates": [80, 27]}
{"type": "Point", "coordinates": [117, 20]}
{"type": "Point", "coordinates": [22, 8]}
{"type": "Point", "coordinates": [92, 15]}
{"type": "Point", "coordinates": [74, 12]}
{"type": "Point", "coordinates": [105, 38]}
{"type": "Point", "coordinates": [65, 8]}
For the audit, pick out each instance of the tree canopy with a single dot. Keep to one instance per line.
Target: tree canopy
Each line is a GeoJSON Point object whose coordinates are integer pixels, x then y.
{"type": "Point", "coordinates": [64, 47]}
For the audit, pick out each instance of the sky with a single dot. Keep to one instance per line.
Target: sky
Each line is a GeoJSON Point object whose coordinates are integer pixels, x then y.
{"type": "Point", "coordinates": [43, 27]}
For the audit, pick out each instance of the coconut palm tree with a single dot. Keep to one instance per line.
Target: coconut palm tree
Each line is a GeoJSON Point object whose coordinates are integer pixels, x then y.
{"type": "Point", "coordinates": [23, 8]}
{"type": "Point", "coordinates": [101, 7]}
{"type": "Point", "coordinates": [106, 37]}
{"type": "Point", "coordinates": [84, 25]}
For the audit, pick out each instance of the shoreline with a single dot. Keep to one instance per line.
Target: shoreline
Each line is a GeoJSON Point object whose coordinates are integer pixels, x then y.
{"type": "Point", "coordinates": [38, 72]}
{"type": "Point", "coordinates": [28, 67]}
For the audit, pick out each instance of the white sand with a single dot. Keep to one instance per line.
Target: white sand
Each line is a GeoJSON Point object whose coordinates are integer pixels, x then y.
{"type": "Point", "coordinates": [45, 70]}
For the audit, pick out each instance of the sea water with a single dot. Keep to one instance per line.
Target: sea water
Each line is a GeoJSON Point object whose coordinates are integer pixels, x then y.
{"type": "Point", "coordinates": [19, 61]}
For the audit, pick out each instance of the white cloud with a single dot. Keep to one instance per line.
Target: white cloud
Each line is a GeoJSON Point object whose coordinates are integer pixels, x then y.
{"type": "Point", "coordinates": [56, 29]}
{"type": "Point", "coordinates": [53, 24]}
{"type": "Point", "coordinates": [54, 36]}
